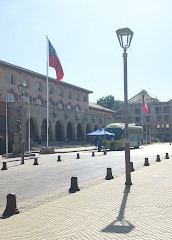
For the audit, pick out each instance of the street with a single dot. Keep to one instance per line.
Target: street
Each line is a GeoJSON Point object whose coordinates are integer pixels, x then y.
{"type": "Point", "coordinates": [34, 184]}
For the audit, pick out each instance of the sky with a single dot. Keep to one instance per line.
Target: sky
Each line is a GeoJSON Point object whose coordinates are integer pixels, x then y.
{"type": "Point", "coordinates": [83, 33]}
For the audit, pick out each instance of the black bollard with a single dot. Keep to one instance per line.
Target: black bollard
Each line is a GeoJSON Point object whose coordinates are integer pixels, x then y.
{"type": "Point", "coordinates": [109, 175]}
{"type": "Point", "coordinates": [58, 159]}
{"type": "Point", "coordinates": [11, 207]}
{"type": "Point", "coordinates": [132, 168]}
{"type": "Point", "coordinates": [74, 185]}
{"type": "Point", "coordinates": [93, 154]}
{"type": "Point", "coordinates": [35, 161]}
{"type": "Point", "coordinates": [105, 152]}
{"type": "Point", "coordinates": [166, 156]}
{"type": "Point", "coordinates": [146, 162]}
{"type": "Point", "coordinates": [77, 157]}
{"type": "Point", "coordinates": [158, 158]}
{"type": "Point", "coordinates": [4, 166]}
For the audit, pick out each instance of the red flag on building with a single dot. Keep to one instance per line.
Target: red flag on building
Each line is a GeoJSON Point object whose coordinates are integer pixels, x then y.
{"type": "Point", "coordinates": [145, 107]}
{"type": "Point", "coordinates": [54, 62]}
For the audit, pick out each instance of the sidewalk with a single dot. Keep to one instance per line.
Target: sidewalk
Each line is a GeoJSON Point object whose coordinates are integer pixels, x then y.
{"type": "Point", "coordinates": [108, 210]}
{"type": "Point", "coordinates": [63, 149]}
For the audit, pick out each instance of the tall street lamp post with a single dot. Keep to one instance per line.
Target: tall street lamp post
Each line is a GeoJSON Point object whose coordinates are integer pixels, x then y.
{"type": "Point", "coordinates": [125, 36]}
{"type": "Point", "coordinates": [22, 89]}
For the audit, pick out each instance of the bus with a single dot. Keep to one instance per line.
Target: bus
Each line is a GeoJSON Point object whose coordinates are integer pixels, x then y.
{"type": "Point", "coordinates": [134, 135]}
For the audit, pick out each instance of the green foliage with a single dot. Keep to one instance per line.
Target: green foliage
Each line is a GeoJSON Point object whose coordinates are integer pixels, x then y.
{"type": "Point", "coordinates": [109, 102]}
{"type": "Point", "coordinates": [2, 145]}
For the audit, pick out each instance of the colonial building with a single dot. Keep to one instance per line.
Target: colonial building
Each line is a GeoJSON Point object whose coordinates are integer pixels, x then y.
{"type": "Point", "coordinates": [70, 116]}
{"type": "Point", "coordinates": [157, 123]}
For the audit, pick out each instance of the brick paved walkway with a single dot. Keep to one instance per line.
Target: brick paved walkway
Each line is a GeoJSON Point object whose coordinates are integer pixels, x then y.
{"type": "Point", "coordinates": [108, 210]}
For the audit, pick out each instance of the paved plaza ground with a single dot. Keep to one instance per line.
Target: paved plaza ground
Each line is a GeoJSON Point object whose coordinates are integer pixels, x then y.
{"type": "Point", "coordinates": [106, 210]}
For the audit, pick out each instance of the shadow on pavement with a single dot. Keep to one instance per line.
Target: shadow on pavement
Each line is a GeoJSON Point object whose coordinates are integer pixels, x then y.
{"type": "Point", "coordinates": [120, 225]}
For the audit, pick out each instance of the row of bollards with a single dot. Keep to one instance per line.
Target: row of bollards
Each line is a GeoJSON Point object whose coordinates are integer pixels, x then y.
{"type": "Point", "coordinates": [4, 164]}
{"type": "Point", "coordinates": [11, 206]}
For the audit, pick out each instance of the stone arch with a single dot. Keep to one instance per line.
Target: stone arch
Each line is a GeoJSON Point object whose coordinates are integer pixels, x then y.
{"type": "Point", "coordinates": [70, 131]}
{"type": "Point", "coordinates": [59, 131]}
{"type": "Point", "coordinates": [80, 131]}
{"type": "Point", "coordinates": [96, 127]}
{"type": "Point", "coordinates": [33, 129]}
{"type": "Point", "coordinates": [50, 131]}
{"type": "Point", "coordinates": [44, 130]}
{"type": "Point", "coordinates": [88, 128]}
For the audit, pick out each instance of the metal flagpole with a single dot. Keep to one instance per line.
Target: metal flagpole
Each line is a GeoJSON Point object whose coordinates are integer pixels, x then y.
{"type": "Point", "coordinates": [6, 125]}
{"type": "Point", "coordinates": [146, 134]}
{"type": "Point", "coordinates": [47, 87]}
{"type": "Point", "coordinates": [29, 124]}
{"type": "Point", "coordinates": [142, 117]}
{"type": "Point", "coordinates": [149, 132]}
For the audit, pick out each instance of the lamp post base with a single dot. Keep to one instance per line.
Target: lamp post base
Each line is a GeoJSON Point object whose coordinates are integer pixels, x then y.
{"type": "Point", "coordinates": [127, 163]}
{"type": "Point", "coordinates": [128, 183]}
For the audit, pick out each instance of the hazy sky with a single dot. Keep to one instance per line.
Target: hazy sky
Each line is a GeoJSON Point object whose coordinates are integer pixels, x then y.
{"type": "Point", "coordinates": [83, 33]}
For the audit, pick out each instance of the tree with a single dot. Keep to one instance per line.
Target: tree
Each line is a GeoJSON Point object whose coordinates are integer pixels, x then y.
{"type": "Point", "coordinates": [109, 102]}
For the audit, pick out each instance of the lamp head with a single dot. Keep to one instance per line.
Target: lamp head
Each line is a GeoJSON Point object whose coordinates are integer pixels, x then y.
{"type": "Point", "coordinates": [124, 36]}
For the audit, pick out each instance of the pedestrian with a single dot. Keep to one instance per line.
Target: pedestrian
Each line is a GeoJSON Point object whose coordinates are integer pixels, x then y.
{"type": "Point", "coordinates": [99, 143]}
{"type": "Point", "coordinates": [112, 143]}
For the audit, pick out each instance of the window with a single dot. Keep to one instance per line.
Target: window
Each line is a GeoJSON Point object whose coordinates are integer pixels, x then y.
{"type": "Point", "coordinates": [159, 118]}
{"type": "Point", "coordinates": [78, 97]}
{"type": "Point", "coordinates": [137, 119]}
{"type": "Point", "coordinates": [38, 87]}
{"type": "Point", "coordinates": [38, 101]}
{"type": "Point", "coordinates": [10, 79]}
{"type": "Point", "coordinates": [77, 109]}
{"type": "Point", "coordinates": [50, 89]}
{"type": "Point", "coordinates": [25, 99]}
{"type": "Point", "coordinates": [60, 105]}
{"type": "Point", "coordinates": [25, 82]}
{"type": "Point", "coordinates": [167, 125]}
{"type": "Point", "coordinates": [137, 111]}
{"type": "Point", "coordinates": [70, 95]}
{"type": "Point", "coordinates": [50, 103]}
{"type": "Point", "coordinates": [85, 99]}
{"type": "Point", "coordinates": [69, 107]}
{"type": "Point", "coordinates": [166, 109]}
{"type": "Point", "coordinates": [158, 109]}
{"type": "Point", "coordinates": [60, 91]}
{"type": "Point", "coordinates": [10, 97]}
{"type": "Point", "coordinates": [147, 118]}
{"type": "Point", "coordinates": [166, 117]}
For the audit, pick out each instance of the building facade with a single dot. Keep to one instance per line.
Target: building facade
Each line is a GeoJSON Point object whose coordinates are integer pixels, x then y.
{"type": "Point", "coordinates": [70, 116]}
{"type": "Point", "coordinates": [157, 123]}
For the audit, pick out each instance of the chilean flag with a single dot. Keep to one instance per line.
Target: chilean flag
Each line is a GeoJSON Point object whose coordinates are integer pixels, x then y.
{"type": "Point", "coordinates": [54, 62]}
{"type": "Point", "coordinates": [145, 107]}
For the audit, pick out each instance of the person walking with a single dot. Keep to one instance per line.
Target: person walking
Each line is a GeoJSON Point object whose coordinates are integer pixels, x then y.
{"type": "Point", "coordinates": [112, 143]}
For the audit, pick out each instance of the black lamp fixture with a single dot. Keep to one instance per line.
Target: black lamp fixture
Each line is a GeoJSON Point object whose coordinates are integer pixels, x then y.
{"type": "Point", "coordinates": [125, 36]}
{"type": "Point", "coordinates": [22, 88]}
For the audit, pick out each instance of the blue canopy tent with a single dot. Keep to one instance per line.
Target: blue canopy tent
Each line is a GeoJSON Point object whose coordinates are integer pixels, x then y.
{"type": "Point", "coordinates": [100, 132]}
